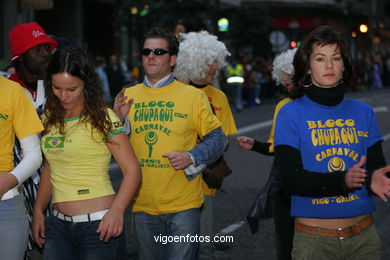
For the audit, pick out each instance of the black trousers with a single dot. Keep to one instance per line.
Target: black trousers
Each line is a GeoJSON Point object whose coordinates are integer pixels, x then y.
{"type": "Point", "coordinates": [284, 224]}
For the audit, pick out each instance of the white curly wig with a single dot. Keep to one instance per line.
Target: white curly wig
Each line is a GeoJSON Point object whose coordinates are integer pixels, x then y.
{"type": "Point", "coordinates": [197, 51]}
{"type": "Point", "coordinates": [282, 64]}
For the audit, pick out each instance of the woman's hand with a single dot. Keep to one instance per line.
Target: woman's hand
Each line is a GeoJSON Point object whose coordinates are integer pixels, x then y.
{"type": "Point", "coordinates": [380, 183]}
{"type": "Point", "coordinates": [111, 224]}
{"type": "Point", "coordinates": [245, 143]}
{"type": "Point", "coordinates": [38, 228]}
{"type": "Point", "coordinates": [356, 175]}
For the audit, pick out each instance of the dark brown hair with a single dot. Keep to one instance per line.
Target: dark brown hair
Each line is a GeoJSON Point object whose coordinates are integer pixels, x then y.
{"type": "Point", "coordinates": [75, 61]}
{"type": "Point", "coordinates": [158, 32]}
{"type": "Point", "coordinates": [323, 35]}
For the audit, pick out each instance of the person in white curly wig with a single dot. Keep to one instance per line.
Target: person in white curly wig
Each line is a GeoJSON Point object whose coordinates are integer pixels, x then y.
{"type": "Point", "coordinates": [200, 56]}
{"type": "Point", "coordinates": [273, 194]}
{"type": "Point", "coordinates": [197, 52]}
{"type": "Point", "coordinates": [282, 68]}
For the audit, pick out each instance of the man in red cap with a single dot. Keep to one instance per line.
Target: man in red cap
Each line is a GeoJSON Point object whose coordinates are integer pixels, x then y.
{"type": "Point", "coordinates": [31, 51]}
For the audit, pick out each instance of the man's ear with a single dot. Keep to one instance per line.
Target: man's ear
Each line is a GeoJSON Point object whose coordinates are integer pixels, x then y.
{"type": "Point", "coordinates": [173, 60]}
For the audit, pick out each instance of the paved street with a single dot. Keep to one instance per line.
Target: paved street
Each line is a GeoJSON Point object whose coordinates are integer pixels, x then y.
{"type": "Point", "coordinates": [250, 171]}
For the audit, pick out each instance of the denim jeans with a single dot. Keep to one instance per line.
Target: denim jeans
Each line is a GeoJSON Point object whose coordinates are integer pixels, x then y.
{"type": "Point", "coordinates": [235, 95]}
{"type": "Point", "coordinates": [182, 224]}
{"type": "Point", "coordinates": [253, 96]}
{"type": "Point", "coordinates": [79, 241]}
{"type": "Point", "coordinates": [13, 228]}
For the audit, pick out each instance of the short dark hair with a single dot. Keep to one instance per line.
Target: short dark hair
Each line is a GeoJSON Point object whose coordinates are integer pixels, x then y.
{"type": "Point", "coordinates": [158, 32]}
{"type": "Point", "coordinates": [323, 35]}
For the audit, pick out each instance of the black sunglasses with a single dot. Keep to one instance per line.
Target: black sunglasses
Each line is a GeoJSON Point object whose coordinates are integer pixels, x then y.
{"type": "Point", "coordinates": [157, 52]}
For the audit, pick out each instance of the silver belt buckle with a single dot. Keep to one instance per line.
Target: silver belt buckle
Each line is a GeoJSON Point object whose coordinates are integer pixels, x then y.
{"type": "Point", "coordinates": [68, 218]}
{"type": "Point", "coordinates": [337, 231]}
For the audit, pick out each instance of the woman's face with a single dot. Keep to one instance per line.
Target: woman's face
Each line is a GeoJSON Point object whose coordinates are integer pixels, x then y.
{"type": "Point", "coordinates": [326, 65]}
{"type": "Point", "coordinates": [69, 90]}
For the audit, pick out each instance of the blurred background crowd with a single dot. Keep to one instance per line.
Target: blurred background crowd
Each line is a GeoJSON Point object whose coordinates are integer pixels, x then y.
{"type": "Point", "coordinates": [254, 31]}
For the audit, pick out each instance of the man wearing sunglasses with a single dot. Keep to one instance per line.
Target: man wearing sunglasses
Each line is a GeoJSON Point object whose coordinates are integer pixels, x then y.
{"type": "Point", "coordinates": [166, 120]}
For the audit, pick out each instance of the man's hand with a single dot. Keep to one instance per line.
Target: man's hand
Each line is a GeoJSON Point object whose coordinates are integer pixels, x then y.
{"type": "Point", "coordinates": [179, 160]}
{"type": "Point", "coordinates": [380, 183]}
{"type": "Point", "coordinates": [245, 143]}
{"type": "Point", "coordinates": [356, 175]}
{"type": "Point", "coordinates": [7, 182]}
{"type": "Point", "coordinates": [121, 107]}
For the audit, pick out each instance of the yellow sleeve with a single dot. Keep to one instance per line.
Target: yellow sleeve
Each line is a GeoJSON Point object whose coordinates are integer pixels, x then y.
{"type": "Point", "coordinates": [272, 132]}
{"type": "Point", "coordinates": [204, 119]}
{"type": "Point", "coordinates": [25, 119]}
{"type": "Point", "coordinates": [226, 117]}
{"type": "Point", "coordinates": [117, 126]}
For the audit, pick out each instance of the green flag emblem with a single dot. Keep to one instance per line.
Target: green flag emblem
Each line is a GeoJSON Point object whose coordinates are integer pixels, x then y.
{"type": "Point", "coordinates": [54, 142]}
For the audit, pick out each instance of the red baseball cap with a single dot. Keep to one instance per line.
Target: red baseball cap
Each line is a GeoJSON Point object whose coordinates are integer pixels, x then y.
{"type": "Point", "coordinates": [25, 36]}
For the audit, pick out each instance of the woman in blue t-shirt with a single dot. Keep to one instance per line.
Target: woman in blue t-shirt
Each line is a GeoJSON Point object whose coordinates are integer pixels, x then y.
{"type": "Point", "coordinates": [326, 147]}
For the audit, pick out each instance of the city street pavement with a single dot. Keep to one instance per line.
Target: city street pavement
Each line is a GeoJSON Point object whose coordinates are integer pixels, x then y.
{"type": "Point", "coordinates": [250, 172]}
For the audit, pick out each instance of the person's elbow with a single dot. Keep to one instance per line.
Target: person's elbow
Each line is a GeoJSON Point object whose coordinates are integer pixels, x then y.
{"type": "Point", "coordinates": [134, 174]}
{"type": "Point", "coordinates": [38, 159]}
{"type": "Point", "coordinates": [221, 140]}
{"type": "Point", "coordinates": [138, 176]}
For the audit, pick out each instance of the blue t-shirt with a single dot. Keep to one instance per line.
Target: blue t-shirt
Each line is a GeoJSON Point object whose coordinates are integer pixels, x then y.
{"type": "Point", "coordinates": [330, 138]}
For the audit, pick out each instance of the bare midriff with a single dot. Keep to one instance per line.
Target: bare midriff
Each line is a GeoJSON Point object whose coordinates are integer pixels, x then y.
{"type": "Point", "coordinates": [330, 223]}
{"type": "Point", "coordinates": [81, 207]}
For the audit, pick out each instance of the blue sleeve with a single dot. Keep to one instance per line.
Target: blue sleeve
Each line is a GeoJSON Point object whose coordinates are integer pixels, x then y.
{"type": "Point", "coordinates": [210, 148]}
{"type": "Point", "coordinates": [286, 130]}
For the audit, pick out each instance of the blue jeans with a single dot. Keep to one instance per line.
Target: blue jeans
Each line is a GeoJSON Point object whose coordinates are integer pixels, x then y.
{"type": "Point", "coordinates": [79, 241]}
{"type": "Point", "coordinates": [253, 94]}
{"type": "Point", "coordinates": [235, 93]}
{"type": "Point", "coordinates": [182, 224]}
{"type": "Point", "coordinates": [13, 228]}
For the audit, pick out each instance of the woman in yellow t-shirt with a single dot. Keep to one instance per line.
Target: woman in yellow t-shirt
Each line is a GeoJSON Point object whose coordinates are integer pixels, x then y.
{"type": "Point", "coordinates": [17, 118]}
{"type": "Point", "coordinates": [80, 136]}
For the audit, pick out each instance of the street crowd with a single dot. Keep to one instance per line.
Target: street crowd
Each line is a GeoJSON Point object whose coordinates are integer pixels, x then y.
{"type": "Point", "coordinates": [63, 117]}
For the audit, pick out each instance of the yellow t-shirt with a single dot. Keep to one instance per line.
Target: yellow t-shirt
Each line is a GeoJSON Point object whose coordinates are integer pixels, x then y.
{"type": "Point", "coordinates": [223, 112]}
{"type": "Point", "coordinates": [79, 160]}
{"type": "Point", "coordinates": [272, 132]}
{"type": "Point", "coordinates": [164, 120]}
{"type": "Point", "coordinates": [17, 117]}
